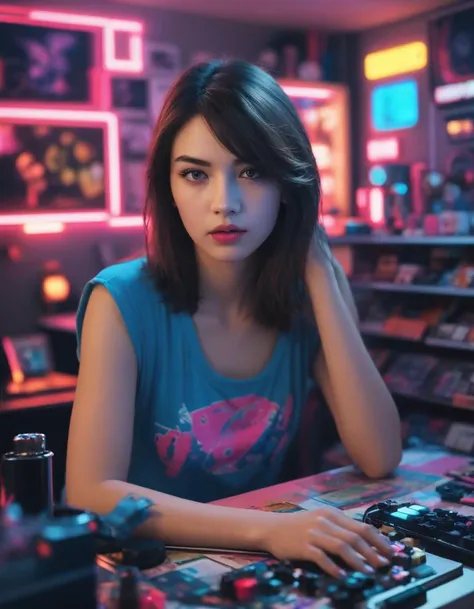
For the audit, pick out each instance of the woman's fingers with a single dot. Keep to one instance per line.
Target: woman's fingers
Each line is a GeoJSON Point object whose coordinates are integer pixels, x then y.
{"type": "Point", "coordinates": [330, 540]}
{"type": "Point", "coordinates": [366, 531]}
{"type": "Point", "coordinates": [346, 537]}
{"type": "Point", "coordinates": [320, 558]}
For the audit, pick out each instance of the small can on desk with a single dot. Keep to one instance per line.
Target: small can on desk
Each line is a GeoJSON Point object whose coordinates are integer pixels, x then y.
{"type": "Point", "coordinates": [27, 474]}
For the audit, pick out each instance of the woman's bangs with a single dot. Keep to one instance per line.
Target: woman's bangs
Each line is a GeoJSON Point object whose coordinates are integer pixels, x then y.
{"type": "Point", "coordinates": [243, 136]}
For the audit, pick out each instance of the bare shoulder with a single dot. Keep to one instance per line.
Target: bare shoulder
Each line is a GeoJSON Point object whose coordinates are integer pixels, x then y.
{"type": "Point", "coordinates": [104, 405]}
{"type": "Point", "coordinates": [101, 308]}
{"type": "Point", "coordinates": [105, 343]}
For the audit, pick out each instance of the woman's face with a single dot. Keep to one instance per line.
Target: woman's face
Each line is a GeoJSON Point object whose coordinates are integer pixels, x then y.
{"type": "Point", "coordinates": [227, 208]}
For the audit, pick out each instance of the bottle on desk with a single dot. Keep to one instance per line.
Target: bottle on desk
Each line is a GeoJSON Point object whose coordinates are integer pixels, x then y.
{"type": "Point", "coordinates": [27, 474]}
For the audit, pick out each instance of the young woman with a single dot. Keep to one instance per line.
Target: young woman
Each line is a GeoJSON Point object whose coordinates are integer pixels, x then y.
{"type": "Point", "coordinates": [195, 362]}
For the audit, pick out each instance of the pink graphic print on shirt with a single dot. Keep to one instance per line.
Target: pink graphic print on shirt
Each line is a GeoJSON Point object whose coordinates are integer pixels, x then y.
{"type": "Point", "coordinates": [226, 437]}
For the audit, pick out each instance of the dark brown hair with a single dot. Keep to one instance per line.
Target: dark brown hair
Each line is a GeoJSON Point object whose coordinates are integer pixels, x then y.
{"type": "Point", "coordinates": [254, 119]}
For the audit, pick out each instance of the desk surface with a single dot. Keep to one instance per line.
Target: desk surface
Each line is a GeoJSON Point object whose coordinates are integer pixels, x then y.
{"type": "Point", "coordinates": [416, 479]}
{"type": "Point", "coordinates": [44, 400]}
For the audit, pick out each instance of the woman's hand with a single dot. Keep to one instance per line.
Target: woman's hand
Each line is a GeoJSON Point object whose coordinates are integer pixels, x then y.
{"type": "Point", "coordinates": [322, 535]}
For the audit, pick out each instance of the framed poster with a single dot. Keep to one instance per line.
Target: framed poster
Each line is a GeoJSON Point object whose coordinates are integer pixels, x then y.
{"type": "Point", "coordinates": [45, 64]}
{"type": "Point", "coordinates": [54, 165]}
{"type": "Point", "coordinates": [163, 62]}
{"type": "Point", "coordinates": [135, 136]}
{"type": "Point", "coordinates": [162, 59]}
{"type": "Point", "coordinates": [134, 187]}
{"type": "Point", "coordinates": [158, 90]}
{"type": "Point", "coordinates": [130, 96]}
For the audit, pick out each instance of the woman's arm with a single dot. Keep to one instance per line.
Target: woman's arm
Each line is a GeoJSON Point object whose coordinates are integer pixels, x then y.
{"type": "Point", "coordinates": [363, 409]}
{"type": "Point", "coordinates": [100, 441]}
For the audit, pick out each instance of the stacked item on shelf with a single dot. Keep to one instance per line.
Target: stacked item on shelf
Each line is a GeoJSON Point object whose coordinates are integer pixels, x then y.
{"type": "Point", "coordinates": [438, 380]}
{"type": "Point", "coordinates": [442, 269]}
{"type": "Point", "coordinates": [409, 372]}
{"type": "Point", "coordinates": [456, 330]}
{"type": "Point", "coordinates": [400, 318]}
{"type": "Point", "coordinates": [436, 324]}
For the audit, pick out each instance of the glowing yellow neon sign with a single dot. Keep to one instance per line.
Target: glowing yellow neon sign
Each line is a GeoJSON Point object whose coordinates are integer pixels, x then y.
{"type": "Point", "coordinates": [397, 60]}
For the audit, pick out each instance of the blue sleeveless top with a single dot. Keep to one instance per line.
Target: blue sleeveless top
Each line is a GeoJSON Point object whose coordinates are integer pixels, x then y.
{"type": "Point", "coordinates": [198, 434]}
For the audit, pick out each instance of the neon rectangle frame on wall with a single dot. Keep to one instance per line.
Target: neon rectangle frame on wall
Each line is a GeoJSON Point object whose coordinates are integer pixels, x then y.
{"type": "Point", "coordinates": [394, 106]}
{"type": "Point", "coordinates": [109, 58]}
{"type": "Point", "coordinates": [107, 28]}
{"type": "Point", "coordinates": [52, 117]}
{"type": "Point", "coordinates": [333, 164]}
{"type": "Point", "coordinates": [91, 74]}
{"type": "Point", "coordinates": [111, 28]}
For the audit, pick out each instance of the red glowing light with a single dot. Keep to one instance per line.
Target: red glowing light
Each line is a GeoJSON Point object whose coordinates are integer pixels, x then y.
{"type": "Point", "coordinates": [314, 92]}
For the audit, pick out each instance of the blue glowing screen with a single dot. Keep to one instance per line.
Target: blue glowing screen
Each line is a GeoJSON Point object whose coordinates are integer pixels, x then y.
{"type": "Point", "coordinates": [394, 105]}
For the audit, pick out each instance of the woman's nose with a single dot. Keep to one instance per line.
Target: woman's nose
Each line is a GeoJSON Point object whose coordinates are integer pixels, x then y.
{"type": "Point", "coordinates": [226, 198]}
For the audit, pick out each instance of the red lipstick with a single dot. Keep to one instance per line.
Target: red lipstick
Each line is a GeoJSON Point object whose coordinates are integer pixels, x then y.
{"type": "Point", "coordinates": [227, 234]}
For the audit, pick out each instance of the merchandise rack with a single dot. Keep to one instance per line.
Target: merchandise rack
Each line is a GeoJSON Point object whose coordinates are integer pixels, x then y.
{"type": "Point", "coordinates": [367, 248]}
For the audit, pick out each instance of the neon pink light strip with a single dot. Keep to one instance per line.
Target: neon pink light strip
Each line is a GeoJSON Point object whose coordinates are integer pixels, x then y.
{"type": "Point", "coordinates": [112, 160]}
{"type": "Point", "coordinates": [383, 150]}
{"type": "Point", "coordinates": [110, 27]}
{"type": "Point", "coordinates": [127, 222]}
{"type": "Point", "coordinates": [315, 92]}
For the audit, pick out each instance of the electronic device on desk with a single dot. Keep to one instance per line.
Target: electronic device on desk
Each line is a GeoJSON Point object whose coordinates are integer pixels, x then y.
{"type": "Point", "coordinates": [444, 532]}
{"type": "Point", "coordinates": [457, 492]}
{"type": "Point", "coordinates": [463, 475]}
{"type": "Point", "coordinates": [28, 367]}
{"type": "Point", "coordinates": [50, 561]}
{"type": "Point", "coordinates": [414, 579]}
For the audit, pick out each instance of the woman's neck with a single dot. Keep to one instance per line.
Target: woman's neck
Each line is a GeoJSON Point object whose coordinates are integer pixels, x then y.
{"type": "Point", "coordinates": [221, 288]}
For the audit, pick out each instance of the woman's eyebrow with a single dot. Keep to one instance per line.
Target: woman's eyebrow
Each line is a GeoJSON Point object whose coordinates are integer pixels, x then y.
{"type": "Point", "coordinates": [190, 159]}
{"type": "Point", "coordinates": [184, 158]}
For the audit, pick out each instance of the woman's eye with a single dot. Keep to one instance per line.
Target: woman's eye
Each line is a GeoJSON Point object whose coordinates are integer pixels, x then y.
{"type": "Point", "coordinates": [250, 173]}
{"type": "Point", "coordinates": [193, 175]}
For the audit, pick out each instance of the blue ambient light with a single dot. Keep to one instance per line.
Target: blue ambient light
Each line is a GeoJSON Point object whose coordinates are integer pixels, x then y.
{"type": "Point", "coordinates": [394, 105]}
{"type": "Point", "coordinates": [377, 175]}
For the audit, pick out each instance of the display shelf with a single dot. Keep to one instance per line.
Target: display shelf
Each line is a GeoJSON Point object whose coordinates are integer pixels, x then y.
{"type": "Point", "coordinates": [396, 240]}
{"type": "Point", "coordinates": [428, 400]}
{"type": "Point", "coordinates": [368, 328]}
{"type": "Point", "coordinates": [435, 290]}
{"type": "Point", "coordinates": [368, 259]}
{"type": "Point", "coordinates": [376, 329]}
{"type": "Point", "coordinates": [448, 344]}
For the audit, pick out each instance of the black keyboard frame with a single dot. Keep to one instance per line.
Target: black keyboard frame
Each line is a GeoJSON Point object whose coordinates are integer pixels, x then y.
{"type": "Point", "coordinates": [375, 516]}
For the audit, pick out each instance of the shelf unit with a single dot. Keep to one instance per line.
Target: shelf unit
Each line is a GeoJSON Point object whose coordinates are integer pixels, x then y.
{"type": "Point", "coordinates": [388, 240]}
{"type": "Point", "coordinates": [376, 330]}
{"type": "Point", "coordinates": [368, 248]}
{"type": "Point", "coordinates": [434, 290]}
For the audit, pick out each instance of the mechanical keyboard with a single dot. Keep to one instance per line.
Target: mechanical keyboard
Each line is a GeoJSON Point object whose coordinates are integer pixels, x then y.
{"type": "Point", "coordinates": [414, 579]}
{"type": "Point", "coordinates": [444, 532]}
